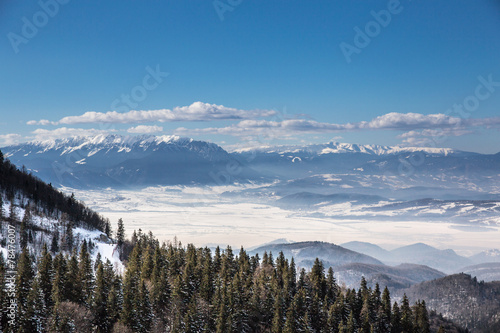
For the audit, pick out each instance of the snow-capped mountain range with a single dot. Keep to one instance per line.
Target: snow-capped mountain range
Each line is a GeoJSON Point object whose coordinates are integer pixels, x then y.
{"type": "Point", "coordinates": [338, 148]}
{"type": "Point", "coordinates": [118, 161]}
{"type": "Point", "coordinates": [109, 144]}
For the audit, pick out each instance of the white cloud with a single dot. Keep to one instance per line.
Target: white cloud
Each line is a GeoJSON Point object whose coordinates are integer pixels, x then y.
{"type": "Point", "coordinates": [41, 134]}
{"type": "Point", "coordinates": [42, 122]}
{"type": "Point", "coordinates": [143, 129]}
{"type": "Point", "coordinates": [396, 120]}
{"type": "Point", "coordinates": [431, 125]}
{"type": "Point", "coordinates": [197, 111]}
{"type": "Point", "coordinates": [10, 139]}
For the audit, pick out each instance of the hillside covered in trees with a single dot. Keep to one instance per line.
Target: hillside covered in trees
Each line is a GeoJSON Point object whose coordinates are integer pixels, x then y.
{"type": "Point", "coordinates": [471, 303]}
{"type": "Point", "coordinates": [169, 287]}
{"type": "Point", "coordinates": [21, 188]}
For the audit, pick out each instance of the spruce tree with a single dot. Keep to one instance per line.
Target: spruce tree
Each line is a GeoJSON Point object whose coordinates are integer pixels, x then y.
{"type": "Point", "coordinates": [406, 315]}
{"type": "Point", "coordinates": [290, 325]}
{"type": "Point", "coordinates": [277, 324]}
{"type": "Point", "coordinates": [36, 312]}
{"type": "Point", "coordinates": [12, 212]}
{"type": "Point", "coordinates": [131, 290]}
{"type": "Point", "coordinates": [54, 245]}
{"type": "Point", "coordinates": [23, 230]}
{"type": "Point", "coordinates": [68, 237]}
{"type": "Point", "coordinates": [102, 321]}
{"type": "Point", "coordinates": [396, 319]}
{"type": "Point", "coordinates": [85, 276]}
{"type": "Point", "coordinates": [46, 276]}
{"type": "Point", "coordinates": [73, 282]}
{"type": "Point", "coordinates": [385, 311]}
{"type": "Point", "coordinates": [120, 234]}
{"type": "Point", "coordinates": [60, 284]}
{"type": "Point", "coordinates": [144, 310]}
{"type": "Point", "coordinates": [421, 318]}
{"type": "Point", "coordinates": [24, 280]}
{"type": "Point", "coordinates": [115, 299]}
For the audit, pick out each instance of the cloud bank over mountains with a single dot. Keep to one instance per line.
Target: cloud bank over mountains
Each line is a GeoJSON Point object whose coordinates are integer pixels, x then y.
{"type": "Point", "coordinates": [415, 128]}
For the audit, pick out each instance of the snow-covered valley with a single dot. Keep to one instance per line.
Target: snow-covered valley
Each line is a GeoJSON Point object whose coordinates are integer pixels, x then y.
{"type": "Point", "coordinates": [204, 216]}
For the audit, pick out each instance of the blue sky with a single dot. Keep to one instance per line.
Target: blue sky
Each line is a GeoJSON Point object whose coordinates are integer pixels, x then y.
{"type": "Point", "coordinates": [243, 73]}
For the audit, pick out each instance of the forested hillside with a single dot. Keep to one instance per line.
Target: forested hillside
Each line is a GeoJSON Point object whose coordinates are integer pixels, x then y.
{"type": "Point", "coordinates": [23, 189]}
{"type": "Point", "coordinates": [465, 300]}
{"type": "Point", "coordinates": [188, 289]}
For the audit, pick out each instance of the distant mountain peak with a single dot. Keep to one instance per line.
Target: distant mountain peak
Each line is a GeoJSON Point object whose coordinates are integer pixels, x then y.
{"type": "Point", "coordinates": [128, 160]}
{"type": "Point", "coordinates": [334, 147]}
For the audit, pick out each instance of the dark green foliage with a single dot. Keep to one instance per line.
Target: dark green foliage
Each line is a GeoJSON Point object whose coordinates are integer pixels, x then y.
{"type": "Point", "coordinates": [45, 277]}
{"type": "Point", "coordinates": [68, 237]}
{"type": "Point", "coordinates": [120, 233]}
{"type": "Point", "coordinates": [186, 289]}
{"type": "Point", "coordinates": [54, 245]}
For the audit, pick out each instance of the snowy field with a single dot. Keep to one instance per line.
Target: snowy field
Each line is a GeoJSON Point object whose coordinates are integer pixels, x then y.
{"type": "Point", "coordinates": [200, 216]}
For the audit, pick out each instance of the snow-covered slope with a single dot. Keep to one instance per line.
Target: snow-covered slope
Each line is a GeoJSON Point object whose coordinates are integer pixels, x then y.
{"type": "Point", "coordinates": [119, 161]}
{"type": "Point", "coordinates": [43, 228]}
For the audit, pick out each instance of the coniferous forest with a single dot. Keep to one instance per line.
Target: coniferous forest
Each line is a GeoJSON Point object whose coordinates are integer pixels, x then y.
{"type": "Point", "coordinates": [171, 288]}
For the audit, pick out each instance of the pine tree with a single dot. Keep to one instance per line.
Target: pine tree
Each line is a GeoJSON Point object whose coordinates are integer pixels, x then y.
{"type": "Point", "coordinates": [147, 264]}
{"type": "Point", "coordinates": [331, 286]}
{"type": "Point", "coordinates": [384, 316]}
{"type": "Point", "coordinates": [115, 299]}
{"type": "Point", "coordinates": [46, 275]}
{"type": "Point", "coordinates": [314, 312]}
{"type": "Point", "coordinates": [23, 231]}
{"type": "Point", "coordinates": [36, 311]}
{"type": "Point", "coordinates": [85, 276]}
{"type": "Point", "coordinates": [102, 321]}
{"type": "Point", "coordinates": [24, 280]}
{"type": "Point", "coordinates": [351, 323]}
{"type": "Point", "coordinates": [144, 310]}
{"type": "Point", "coordinates": [160, 291]}
{"type": "Point", "coordinates": [60, 283]}
{"type": "Point", "coordinates": [396, 319]}
{"type": "Point", "coordinates": [107, 228]}
{"type": "Point", "coordinates": [68, 237]}
{"type": "Point", "coordinates": [365, 316]}
{"type": "Point", "coordinates": [317, 277]}
{"type": "Point", "coordinates": [421, 318]}
{"type": "Point", "coordinates": [131, 290]}
{"type": "Point", "coordinates": [290, 322]}
{"type": "Point", "coordinates": [54, 245]}
{"type": "Point", "coordinates": [277, 324]}
{"type": "Point", "coordinates": [73, 282]}
{"type": "Point", "coordinates": [406, 315]}
{"type": "Point", "coordinates": [12, 212]}
{"type": "Point", "coordinates": [120, 234]}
